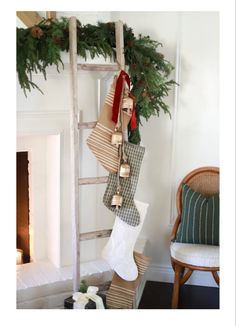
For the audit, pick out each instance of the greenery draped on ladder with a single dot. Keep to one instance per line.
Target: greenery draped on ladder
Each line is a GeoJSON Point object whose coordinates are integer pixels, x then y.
{"type": "Point", "coordinates": [40, 46]}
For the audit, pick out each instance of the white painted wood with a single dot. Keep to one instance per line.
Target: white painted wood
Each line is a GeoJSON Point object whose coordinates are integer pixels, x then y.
{"type": "Point", "coordinates": [120, 58]}
{"type": "Point", "coordinates": [95, 235]}
{"type": "Point", "coordinates": [87, 125]}
{"type": "Point", "coordinates": [92, 181]}
{"type": "Point", "coordinates": [165, 273]}
{"type": "Point", "coordinates": [98, 67]}
{"type": "Point", "coordinates": [98, 97]}
{"type": "Point", "coordinates": [74, 137]}
{"type": "Point", "coordinates": [174, 124]}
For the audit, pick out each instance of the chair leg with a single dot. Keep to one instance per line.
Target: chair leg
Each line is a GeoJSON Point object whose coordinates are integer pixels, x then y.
{"type": "Point", "coordinates": [216, 277]}
{"type": "Point", "coordinates": [186, 276]}
{"type": "Point", "coordinates": [175, 295]}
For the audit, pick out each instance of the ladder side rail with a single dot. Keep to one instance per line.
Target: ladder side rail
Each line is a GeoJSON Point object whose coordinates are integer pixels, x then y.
{"type": "Point", "coordinates": [74, 150]}
{"type": "Point", "coordinates": [74, 140]}
{"type": "Point", "coordinates": [119, 33]}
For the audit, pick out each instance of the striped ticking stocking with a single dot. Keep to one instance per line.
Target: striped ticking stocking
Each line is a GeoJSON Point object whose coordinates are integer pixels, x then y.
{"type": "Point", "coordinates": [128, 212]}
{"type": "Point", "coordinates": [99, 141]}
{"type": "Point", "coordinates": [121, 294]}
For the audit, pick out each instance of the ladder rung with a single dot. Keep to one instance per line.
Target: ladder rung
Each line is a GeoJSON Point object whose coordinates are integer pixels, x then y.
{"type": "Point", "coordinates": [95, 235]}
{"type": "Point", "coordinates": [87, 125]}
{"type": "Point", "coordinates": [98, 67]}
{"type": "Point", "coordinates": [93, 180]}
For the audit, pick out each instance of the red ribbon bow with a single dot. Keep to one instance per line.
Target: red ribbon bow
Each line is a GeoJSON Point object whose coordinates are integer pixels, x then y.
{"type": "Point", "coordinates": [123, 76]}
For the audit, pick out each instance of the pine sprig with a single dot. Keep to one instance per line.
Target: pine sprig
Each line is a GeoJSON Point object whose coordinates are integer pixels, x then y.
{"type": "Point", "coordinates": [40, 46]}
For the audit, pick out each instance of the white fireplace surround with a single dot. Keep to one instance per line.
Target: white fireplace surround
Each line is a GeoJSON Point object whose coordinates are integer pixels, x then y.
{"type": "Point", "coordinates": [44, 195]}
{"type": "Point", "coordinates": [44, 135]}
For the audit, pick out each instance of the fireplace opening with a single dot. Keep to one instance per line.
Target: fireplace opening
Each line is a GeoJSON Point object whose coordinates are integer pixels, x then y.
{"type": "Point", "coordinates": [22, 208]}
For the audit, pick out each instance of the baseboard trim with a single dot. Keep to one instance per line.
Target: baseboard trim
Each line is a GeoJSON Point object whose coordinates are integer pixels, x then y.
{"type": "Point", "coordinates": [159, 273]}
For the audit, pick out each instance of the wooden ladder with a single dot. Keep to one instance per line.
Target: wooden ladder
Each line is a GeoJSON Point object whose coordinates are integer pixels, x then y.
{"type": "Point", "coordinates": [75, 126]}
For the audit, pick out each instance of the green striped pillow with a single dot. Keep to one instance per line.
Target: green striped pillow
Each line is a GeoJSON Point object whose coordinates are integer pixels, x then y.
{"type": "Point", "coordinates": [200, 218]}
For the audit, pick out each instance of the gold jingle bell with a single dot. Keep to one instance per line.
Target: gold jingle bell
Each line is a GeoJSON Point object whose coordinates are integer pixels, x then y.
{"type": "Point", "coordinates": [117, 200]}
{"type": "Point", "coordinates": [117, 137]}
{"type": "Point", "coordinates": [125, 170]}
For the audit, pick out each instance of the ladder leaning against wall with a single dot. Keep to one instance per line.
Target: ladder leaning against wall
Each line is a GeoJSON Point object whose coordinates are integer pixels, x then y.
{"type": "Point", "coordinates": [75, 126]}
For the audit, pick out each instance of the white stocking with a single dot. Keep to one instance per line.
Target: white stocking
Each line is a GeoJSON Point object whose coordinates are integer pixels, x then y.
{"type": "Point", "coordinates": [118, 251]}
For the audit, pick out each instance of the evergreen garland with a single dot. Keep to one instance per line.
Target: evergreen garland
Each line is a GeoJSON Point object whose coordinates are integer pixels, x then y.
{"type": "Point", "coordinates": [40, 46]}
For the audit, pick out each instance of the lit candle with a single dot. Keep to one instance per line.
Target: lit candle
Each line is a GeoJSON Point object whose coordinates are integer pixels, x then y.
{"type": "Point", "coordinates": [19, 254]}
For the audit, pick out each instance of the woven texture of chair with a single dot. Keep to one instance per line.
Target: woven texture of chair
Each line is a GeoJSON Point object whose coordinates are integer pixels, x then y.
{"type": "Point", "coordinates": [204, 180]}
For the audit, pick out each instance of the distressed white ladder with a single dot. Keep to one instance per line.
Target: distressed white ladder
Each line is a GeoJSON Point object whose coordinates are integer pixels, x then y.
{"type": "Point", "coordinates": [75, 125]}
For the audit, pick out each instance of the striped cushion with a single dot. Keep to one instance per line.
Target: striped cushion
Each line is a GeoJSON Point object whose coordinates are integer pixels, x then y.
{"type": "Point", "coordinates": [199, 219]}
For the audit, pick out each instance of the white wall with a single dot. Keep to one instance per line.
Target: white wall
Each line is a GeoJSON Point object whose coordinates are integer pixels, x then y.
{"type": "Point", "coordinates": [173, 147]}
{"type": "Point", "coordinates": [190, 139]}
{"type": "Point", "coordinates": [53, 186]}
{"type": "Point", "coordinates": [197, 134]}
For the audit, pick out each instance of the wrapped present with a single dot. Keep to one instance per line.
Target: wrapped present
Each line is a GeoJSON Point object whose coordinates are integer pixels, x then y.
{"type": "Point", "coordinates": [92, 299]}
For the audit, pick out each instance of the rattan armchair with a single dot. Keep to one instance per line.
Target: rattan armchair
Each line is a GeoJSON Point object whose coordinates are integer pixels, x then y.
{"type": "Point", "coordinates": [204, 180]}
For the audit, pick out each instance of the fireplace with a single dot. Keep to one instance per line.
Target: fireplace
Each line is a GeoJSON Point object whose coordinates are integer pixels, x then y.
{"type": "Point", "coordinates": [22, 212]}
{"type": "Point", "coordinates": [38, 198]}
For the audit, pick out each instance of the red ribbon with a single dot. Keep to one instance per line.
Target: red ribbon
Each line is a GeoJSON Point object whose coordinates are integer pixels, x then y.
{"type": "Point", "coordinates": [123, 76]}
{"type": "Point", "coordinates": [133, 122]}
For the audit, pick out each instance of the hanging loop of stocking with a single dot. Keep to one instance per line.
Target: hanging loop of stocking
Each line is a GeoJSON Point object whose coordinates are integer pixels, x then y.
{"type": "Point", "coordinates": [117, 136]}
{"type": "Point", "coordinates": [123, 76]}
{"type": "Point", "coordinates": [124, 167]}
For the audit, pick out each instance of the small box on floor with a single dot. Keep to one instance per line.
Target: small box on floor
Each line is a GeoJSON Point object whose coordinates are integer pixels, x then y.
{"type": "Point", "coordinates": [69, 302]}
{"type": "Point", "coordinates": [88, 297]}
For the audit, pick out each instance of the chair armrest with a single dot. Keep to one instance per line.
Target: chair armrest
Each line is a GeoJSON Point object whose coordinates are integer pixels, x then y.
{"type": "Point", "coordinates": [175, 228]}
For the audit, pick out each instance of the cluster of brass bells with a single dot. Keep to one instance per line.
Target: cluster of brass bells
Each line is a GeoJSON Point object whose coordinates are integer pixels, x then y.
{"type": "Point", "coordinates": [117, 200]}
{"type": "Point", "coordinates": [124, 172]}
{"type": "Point", "coordinates": [118, 140]}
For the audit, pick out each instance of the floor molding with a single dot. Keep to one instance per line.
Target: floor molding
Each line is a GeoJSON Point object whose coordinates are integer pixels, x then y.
{"type": "Point", "coordinates": [159, 273]}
